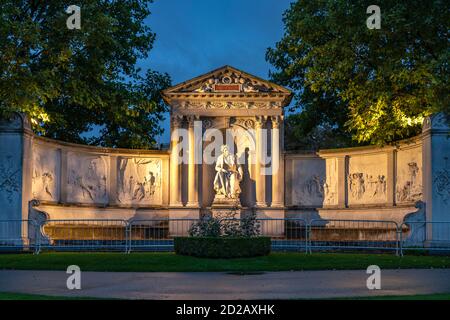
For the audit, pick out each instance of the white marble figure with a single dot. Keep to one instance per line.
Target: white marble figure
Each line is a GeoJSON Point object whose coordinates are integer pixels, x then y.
{"type": "Point", "coordinates": [228, 174]}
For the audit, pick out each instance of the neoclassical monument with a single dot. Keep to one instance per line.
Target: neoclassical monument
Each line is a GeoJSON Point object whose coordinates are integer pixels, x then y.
{"type": "Point", "coordinates": [67, 181]}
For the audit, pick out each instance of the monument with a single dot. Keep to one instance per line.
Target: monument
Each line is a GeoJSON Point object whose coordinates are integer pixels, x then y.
{"type": "Point", "coordinates": [246, 114]}
{"type": "Point", "coordinates": [226, 153]}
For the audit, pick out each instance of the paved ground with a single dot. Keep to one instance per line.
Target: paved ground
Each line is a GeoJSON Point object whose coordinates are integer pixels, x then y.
{"type": "Point", "coordinates": [217, 285]}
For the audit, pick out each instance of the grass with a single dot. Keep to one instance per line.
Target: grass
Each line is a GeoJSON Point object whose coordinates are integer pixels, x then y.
{"type": "Point", "coordinates": [170, 262]}
{"type": "Point", "coordinates": [434, 296]}
{"type": "Point", "coordinates": [23, 296]}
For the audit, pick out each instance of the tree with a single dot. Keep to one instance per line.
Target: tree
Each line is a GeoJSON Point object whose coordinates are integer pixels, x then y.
{"type": "Point", "coordinates": [73, 83]}
{"type": "Point", "coordinates": [375, 85]}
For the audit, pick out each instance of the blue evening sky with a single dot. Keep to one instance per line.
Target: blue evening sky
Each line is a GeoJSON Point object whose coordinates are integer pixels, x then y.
{"type": "Point", "coordinates": [197, 36]}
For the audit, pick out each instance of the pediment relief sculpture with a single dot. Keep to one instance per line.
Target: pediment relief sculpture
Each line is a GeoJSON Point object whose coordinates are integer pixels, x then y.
{"type": "Point", "coordinates": [226, 80]}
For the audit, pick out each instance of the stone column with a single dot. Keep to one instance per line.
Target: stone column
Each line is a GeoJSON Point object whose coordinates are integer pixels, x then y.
{"type": "Point", "coordinates": [390, 179]}
{"type": "Point", "coordinates": [192, 165]}
{"type": "Point", "coordinates": [342, 173]}
{"type": "Point", "coordinates": [175, 177]}
{"type": "Point", "coordinates": [260, 179]}
{"type": "Point", "coordinates": [112, 187]}
{"type": "Point", "coordinates": [16, 168]}
{"type": "Point", "coordinates": [436, 178]}
{"type": "Point", "coordinates": [277, 165]}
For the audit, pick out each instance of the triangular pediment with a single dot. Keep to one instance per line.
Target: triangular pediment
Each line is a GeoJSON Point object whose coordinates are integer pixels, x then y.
{"type": "Point", "coordinates": [226, 80]}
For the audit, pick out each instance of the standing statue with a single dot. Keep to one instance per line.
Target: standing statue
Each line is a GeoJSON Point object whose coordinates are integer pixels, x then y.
{"type": "Point", "coordinates": [228, 175]}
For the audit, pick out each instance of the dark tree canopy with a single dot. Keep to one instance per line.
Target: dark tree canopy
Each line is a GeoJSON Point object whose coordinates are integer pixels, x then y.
{"type": "Point", "coordinates": [73, 81]}
{"type": "Point", "coordinates": [367, 85]}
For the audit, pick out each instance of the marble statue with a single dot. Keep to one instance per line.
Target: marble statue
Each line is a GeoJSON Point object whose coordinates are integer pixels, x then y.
{"type": "Point", "coordinates": [228, 175]}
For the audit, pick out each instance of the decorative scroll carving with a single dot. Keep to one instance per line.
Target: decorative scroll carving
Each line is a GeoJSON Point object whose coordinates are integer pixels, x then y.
{"type": "Point", "coordinates": [227, 105]}
{"type": "Point", "coordinates": [230, 81]}
{"type": "Point", "coordinates": [260, 121]}
{"type": "Point", "coordinates": [139, 181]}
{"type": "Point", "coordinates": [87, 178]}
{"type": "Point", "coordinates": [441, 182]}
{"type": "Point", "coordinates": [436, 121]}
{"type": "Point", "coordinates": [9, 177]}
{"type": "Point", "coordinates": [176, 120]}
{"type": "Point", "coordinates": [244, 122]}
{"type": "Point", "coordinates": [415, 222]}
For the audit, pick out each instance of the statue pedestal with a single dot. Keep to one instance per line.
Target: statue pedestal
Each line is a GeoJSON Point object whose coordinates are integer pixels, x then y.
{"type": "Point", "coordinates": [222, 205]}
{"type": "Point", "coordinates": [220, 201]}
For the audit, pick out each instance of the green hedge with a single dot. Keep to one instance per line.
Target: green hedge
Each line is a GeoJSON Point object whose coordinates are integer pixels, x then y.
{"type": "Point", "coordinates": [223, 247]}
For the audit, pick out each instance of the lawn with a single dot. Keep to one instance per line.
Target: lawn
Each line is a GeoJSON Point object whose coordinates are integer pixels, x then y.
{"type": "Point", "coordinates": [23, 296]}
{"type": "Point", "coordinates": [170, 262]}
{"type": "Point", "coordinates": [435, 296]}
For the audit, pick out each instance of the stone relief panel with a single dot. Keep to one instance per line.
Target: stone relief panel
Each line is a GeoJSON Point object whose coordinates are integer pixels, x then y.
{"type": "Point", "coordinates": [409, 176]}
{"type": "Point", "coordinates": [331, 182]}
{"type": "Point", "coordinates": [309, 182]}
{"type": "Point", "coordinates": [139, 181]}
{"type": "Point", "coordinates": [10, 172]}
{"type": "Point", "coordinates": [441, 181]}
{"type": "Point", "coordinates": [366, 181]}
{"type": "Point", "coordinates": [87, 178]}
{"type": "Point", "coordinates": [46, 172]}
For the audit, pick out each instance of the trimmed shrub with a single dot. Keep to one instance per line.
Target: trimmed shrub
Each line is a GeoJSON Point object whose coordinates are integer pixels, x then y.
{"type": "Point", "coordinates": [222, 247]}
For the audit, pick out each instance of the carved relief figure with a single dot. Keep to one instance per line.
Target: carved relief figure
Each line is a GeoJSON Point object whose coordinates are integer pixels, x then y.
{"type": "Point", "coordinates": [42, 183]}
{"type": "Point", "coordinates": [330, 183]}
{"type": "Point", "coordinates": [245, 84]}
{"type": "Point", "coordinates": [357, 186]}
{"type": "Point", "coordinates": [228, 175]}
{"type": "Point", "coordinates": [312, 191]}
{"type": "Point", "coordinates": [47, 183]}
{"type": "Point", "coordinates": [139, 180]}
{"type": "Point", "coordinates": [88, 182]}
{"type": "Point", "coordinates": [44, 177]}
{"type": "Point", "coordinates": [412, 188]}
{"type": "Point", "coordinates": [206, 87]}
{"type": "Point", "coordinates": [314, 186]}
{"type": "Point", "coordinates": [367, 186]}
{"type": "Point", "coordinates": [329, 193]}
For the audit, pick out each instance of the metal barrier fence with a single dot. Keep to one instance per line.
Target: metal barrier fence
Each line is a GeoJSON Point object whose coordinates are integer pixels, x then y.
{"type": "Point", "coordinates": [18, 235]}
{"type": "Point", "coordinates": [336, 234]}
{"type": "Point", "coordinates": [431, 236]}
{"type": "Point", "coordinates": [83, 234]}
{"type": "Point", "coordinates": [156, 234]}
{"type": "Point", "coordinates": [287, 235]}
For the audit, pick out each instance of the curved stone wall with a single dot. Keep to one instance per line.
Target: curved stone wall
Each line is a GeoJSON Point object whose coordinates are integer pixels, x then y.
{"type": "Point", "coordinates": [355, 177]}
{"type": "Point", "coordinates": [69, 181]}
{"type": "Point", "coordinates": [69, 178]}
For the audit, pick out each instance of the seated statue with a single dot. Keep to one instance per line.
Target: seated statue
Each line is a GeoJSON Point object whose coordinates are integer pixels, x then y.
{"type": "Point", "coordinates": [228, 175]}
